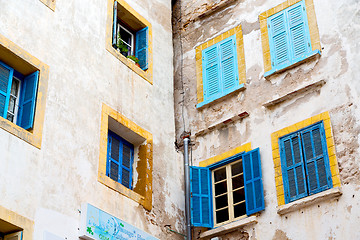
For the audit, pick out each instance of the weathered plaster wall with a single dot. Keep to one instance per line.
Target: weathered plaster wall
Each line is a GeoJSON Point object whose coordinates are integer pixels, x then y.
{"type": "Point", "coordinates": [48, 185]}
{"type": "Point", "coordinates": [339, 27]}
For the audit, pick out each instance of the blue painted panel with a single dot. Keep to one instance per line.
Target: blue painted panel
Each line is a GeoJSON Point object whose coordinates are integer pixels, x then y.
{"type": "Point", "coordinates": [28, 101]}
{"type": "Point", "coordinates": [141, 47]}
{"type": "Point", "coordinates": [99, 225]}
{"type": "Point", "coordinates": [201, 197]}
{"type": "Point", "coordinates": [114, 33]}
{"type": "Point", "coordinates": [254, 193]}
{"type": "Point", "coordinates": [6, 76]}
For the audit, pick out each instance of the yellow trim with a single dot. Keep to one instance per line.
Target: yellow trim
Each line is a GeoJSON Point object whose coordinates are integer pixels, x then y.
{"type": "Point", "coordinates": [148, 74]}
{"type": "Point", "coordinates": [325, 117]}
{"type": "Point", "coordinates": [49, 3]}
{"type": "Point", "coordinates": [240, 57]}
{"type": "Point", "coordinates": [34, 136]}
{"type": "Point", "coordinates": [26, 224]}
{"type": "Point", "coordinates": [142, 192]}
{"type": "Point", "coordinates": [313, 28]}
{"type": "Point", "coordinates": [243, 148]}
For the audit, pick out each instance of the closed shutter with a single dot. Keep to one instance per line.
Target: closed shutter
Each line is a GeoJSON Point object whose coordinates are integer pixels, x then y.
{"type": "Point", "coordinates": [114, 36]}
{"type": "Point", "coordinates": [278, 38]}
{"type": "Point", "coordinates": [211, 72]}
{"type": "Point", "coordinates": [112, 169]}
{"type": "Point", "coordinates": [6, 75]}
{"type": "Point", "coordinates": [126, 164]}
{"type": "Point", "coordinates": [293, 169]}
{"type": "Point", "coordinates": [254, 193]}
{"type": "Point", "coordinates": [316, 159]}
{"type": "Point", "coordinates": [141, 48]}
{"type": "Point", "coordinates": [299, 33]}
{"type": "Point", "coordinates": [201, 197]}
{"type": "Point", "coordinates": [28, 101]}
{"type": "Point", "coordinates": [228, 64]}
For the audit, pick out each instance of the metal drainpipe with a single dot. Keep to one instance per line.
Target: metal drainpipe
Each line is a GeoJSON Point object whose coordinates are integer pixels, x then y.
{"type": "Point", "coordinates": [187, 187]}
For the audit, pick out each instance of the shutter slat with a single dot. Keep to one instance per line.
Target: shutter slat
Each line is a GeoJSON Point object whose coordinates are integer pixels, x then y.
{"type": "Point", "coordinates": [254, 193]}
{"type": "Point", "coordinates": [141, 47]}
{"type": "Point", "coordinates": [201, 197]}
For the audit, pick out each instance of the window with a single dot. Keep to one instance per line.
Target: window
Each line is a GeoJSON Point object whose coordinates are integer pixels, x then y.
{"type": "Point", "coordinates": [305, 162]}
{"type": "Point", "coordinates": [18, 96]}
{"type": "Point", "coordinates": [14, 226]}
{"type": "Point", "coordinates": [287, 39]}
{"type": "Point", "coordinates": [227, 190]}
{"type": "Point", "coordinates": [130, 36]}
{"type": "Point", "coordinates": [120, 160]}
{"type": "Point", "coordinates": [220, 66]}
{"type": "Point", "coordinates": [13, 236]}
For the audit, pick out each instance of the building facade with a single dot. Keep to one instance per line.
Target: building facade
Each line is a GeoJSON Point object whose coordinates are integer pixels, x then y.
{"type": "Point", "coordinates": [268, 92]}
{"type": "Point", "coordinates": [87, 121]}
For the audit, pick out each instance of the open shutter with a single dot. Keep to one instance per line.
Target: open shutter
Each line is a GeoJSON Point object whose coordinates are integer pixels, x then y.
{"type": "Point", "coordinates": [201, 197]}
{"type": "Point", "coordinates": [141, 48]}
{"type": "Point", "coordinates": [299, 31]}
{"type": "Point", "coordinates": [229, 73]}
{"type": "Point", "coordinates": [211, 72]}
{"type": "Point", "coordinates": [316, 159]}
{"type": "Point", "coordinates": [6, 75]}
{"type": "Point", "coordinates": [126, 164]}
{"type": "Point", "coordinates": [279, 43]}
{"type": "Point", "coordinates": [28, 101]}
{"type": "Point", "coordinates": [292, 166]}
{"type": "Point", "coordinates": [254, 193]}
{"type": "Point", "coordinates": [114, 36]}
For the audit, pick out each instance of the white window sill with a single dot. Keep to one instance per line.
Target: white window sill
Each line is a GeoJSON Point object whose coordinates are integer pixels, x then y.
{"type": "Point", "coordinates": [333, 193]}
{"type": "Point", "coordinates": [228, 227]}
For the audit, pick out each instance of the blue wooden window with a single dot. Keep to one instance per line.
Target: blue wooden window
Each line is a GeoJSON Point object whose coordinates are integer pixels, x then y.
{"type": "Point", "coordinates": [21, 105]}
{"type": "Point", "coordinates": [120, 155]}
{"type": "Point", "coordinates": [305, 162]}
{"type": "Point", "coordinates": [220, 70]}
{"type": "Point", "coordinates": [243, 178]}
{"type": "Point", "coordinates": [289, 37]}
{"type": "Point", "coordinates": [139, 37]}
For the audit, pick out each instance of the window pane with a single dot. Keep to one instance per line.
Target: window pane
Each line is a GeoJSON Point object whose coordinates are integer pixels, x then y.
{"type": "Point", "coordinates": [220, 188]}
{"type": "Point", "coordinates": [236, 169]}
{"type": "Point", "coordinates": [222, 215]}
{"type": "Point", "coordinates": [240, 210]}
{"type": "Point", "coordinates": [239, 195]}
{"type": "Point", "coordinates": [10, 117]}
{"type": "Point", "coordinates": [12, 104]}
{"type": "Point", "coordinates": [221, 202]}
{"type": "Point", "coordinates": [15, 87]}
{"type": "Point", "coordinates": [125, 36]}
{"type": "Point", "coordinates": [237, 182]}
{"type": "Point", "coordinates": [220, 174]}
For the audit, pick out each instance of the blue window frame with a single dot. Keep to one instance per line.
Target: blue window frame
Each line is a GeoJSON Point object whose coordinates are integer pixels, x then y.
{"type": "Point", "coordinates": [289, 37]}
{"type": "Point", "coordinates": [18, 96]}
{"type": "Point", "coordinates": [212, 203]}
{"type": "Point", "coordinates": [120, 155]}
{"type": "Point", "coordinates": [124, 38]}
{"type": "Point", "coordinates": [220, 70]}
{"type": "Point", "coordinates": [305, 162]}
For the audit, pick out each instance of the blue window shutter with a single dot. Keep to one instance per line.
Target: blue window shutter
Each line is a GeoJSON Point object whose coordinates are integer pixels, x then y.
{"type": "Point", "coordinates": [141, 48]}
{"type": "Point", "coordinates": [28, 100]}
{"type": "Point", "coordinates": [211, 72]}
{"type": "Point", "coordinates": [254, 193]}
{"type": "Point", "coordinates": [113, 164]}
{"type": "Point", "coordinates": [114, 36]}
{"type": "Point", "coordinates": [127, 157]}
{"type": "Point", "coordinates": [6, 75]}
{"type": "Point", "coordinates": [316, 159]}
{"type": "Point", "coordinates": [201, 197]}
{"type": "Point", "coordinates": [229, 73]}
{"type": "Point", "coordinates": [292, 166]}
{"type": "Point", "coordinates": [278, 39]}
{"type": "Point", "coordinates": [298, 31]}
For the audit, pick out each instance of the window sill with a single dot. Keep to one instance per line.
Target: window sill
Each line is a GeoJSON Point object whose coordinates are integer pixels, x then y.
{"type": "Point", "coordinates": [333, 193]}
{"type": "Point", "coordinates": [229, 227]}
{"type": "Point", "coordinates": [206, 102]}
{"type": "Point", "coordinates": [282, 68]}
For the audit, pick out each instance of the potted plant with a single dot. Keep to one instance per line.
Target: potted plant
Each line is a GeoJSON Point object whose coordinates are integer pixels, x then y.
{"type": "Point", "coordinates": [122, 46]}
{"type": "Point", "coordinates": [134, 59]}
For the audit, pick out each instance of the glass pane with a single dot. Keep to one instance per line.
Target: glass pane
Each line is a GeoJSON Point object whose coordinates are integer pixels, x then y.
{"type": "Point", "coordinates": [236, 169]}
{"type": "Point", "coordinates": [220, 174]}
{"type": "Point", "coordinates": [14, 87]}
{"type": "Point", "coordinates": [125, 36]}
{"type": "Point", "coordinates": [222, 215]}
{"type": "Point", "coordinates": [12, 104]}
{"type": "Point", "coordinates": [239, 195]}
{"type": "Point", "coordinates": [10, 117]}
{"type": "Point", "coordinates": [221, 202]}
{"type": "Point", "coordinates": [237, 182]}
{"type": "Point", "coordinates": [220, 188]}
{"type": "Point", "coordinates": [240, 210]}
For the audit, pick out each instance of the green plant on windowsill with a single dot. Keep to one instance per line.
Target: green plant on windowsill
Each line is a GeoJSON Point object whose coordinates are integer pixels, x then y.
{"type": "Point", "coordinates": [135, 59]}
{"type": "Point", "coordinates": [122, 46]}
